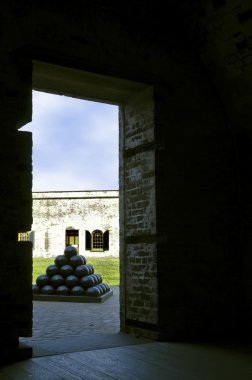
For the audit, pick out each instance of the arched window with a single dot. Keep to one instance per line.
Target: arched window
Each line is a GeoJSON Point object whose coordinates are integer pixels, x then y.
{"type": "Point", "coordinates": [97, 241]}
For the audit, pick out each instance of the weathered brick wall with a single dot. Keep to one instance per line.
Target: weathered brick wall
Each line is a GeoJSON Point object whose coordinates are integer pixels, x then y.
{"type": "Point", "coordinates": [139, 210]}
{"type": "Point", "coordinates": [54, 212]}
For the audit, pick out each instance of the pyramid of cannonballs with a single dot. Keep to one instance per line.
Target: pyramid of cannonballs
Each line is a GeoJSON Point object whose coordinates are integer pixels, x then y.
{"type": "Point", "coordinates": [70, 275]}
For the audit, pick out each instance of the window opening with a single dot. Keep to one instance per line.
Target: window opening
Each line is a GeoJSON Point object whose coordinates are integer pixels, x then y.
{"type": "Point", "coordinates": [23, 236]}
{"type": "Point", "coordinates": [72, 238]}
{"type": "Point", "coordinates": [97, 241]}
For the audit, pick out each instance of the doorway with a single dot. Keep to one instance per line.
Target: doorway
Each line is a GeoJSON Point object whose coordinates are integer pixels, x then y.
{"type": "Point", "coordinates": [58, 203]}
{"type": "Point", "coordinates": [136, 158]}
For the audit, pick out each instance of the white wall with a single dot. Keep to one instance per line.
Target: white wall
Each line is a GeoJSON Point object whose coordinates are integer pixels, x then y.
{"type": "Point", "coordinates": [54, 212]}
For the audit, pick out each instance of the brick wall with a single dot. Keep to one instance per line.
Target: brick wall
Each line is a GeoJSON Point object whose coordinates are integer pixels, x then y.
{"type": "Point", "coordinates": [139, 214]}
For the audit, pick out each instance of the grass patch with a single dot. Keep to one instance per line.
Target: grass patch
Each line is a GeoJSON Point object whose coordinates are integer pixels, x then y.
{"type": "Point", "coordinates": [107, 267]}
{"type": "Point", "coordinates": [39, 266]}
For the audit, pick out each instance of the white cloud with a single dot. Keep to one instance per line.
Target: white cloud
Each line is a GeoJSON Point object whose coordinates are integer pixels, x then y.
{"type": "Point", "coordinates": [75, 144]}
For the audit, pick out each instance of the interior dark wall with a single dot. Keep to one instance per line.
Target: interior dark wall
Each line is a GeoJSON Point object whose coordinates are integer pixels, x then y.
{"type": "Point", "coordinates": [200, 259]}
{"type": "Point", "coordinates": [226, 53]}
{"type": "Point", "coordinates": [196, 127]}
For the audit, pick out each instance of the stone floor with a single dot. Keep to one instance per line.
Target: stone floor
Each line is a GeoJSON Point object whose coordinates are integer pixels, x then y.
{"type": "Point", "coordinates": [145, 361]}
{"type": "Point", "coordinates": [54, 320]}
{"type": "Point", "coordinates": [62, 327]}
{"type": "Point", "coordinates": [82, 341]}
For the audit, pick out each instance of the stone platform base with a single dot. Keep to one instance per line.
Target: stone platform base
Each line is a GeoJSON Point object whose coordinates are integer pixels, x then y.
{"type": "Point", "coordinates": [84, 299]}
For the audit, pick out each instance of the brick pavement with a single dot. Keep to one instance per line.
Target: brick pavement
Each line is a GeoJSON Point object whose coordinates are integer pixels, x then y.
{"type": "Point", "coordinates": [70, 324]}
{"type": "Point", "coordinates": [54, 320]}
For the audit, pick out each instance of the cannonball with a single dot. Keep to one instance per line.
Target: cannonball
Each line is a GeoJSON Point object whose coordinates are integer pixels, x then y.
{"type": "Point", "coordinates": [62, 290]}
{"type": "Point", "coordinates": [43, 279]}
{"type": "Point", "coordinates": [60, 260]}
{"type": "Point", "coordinates": [35, 289]}
{"type": "Point", "coordinates": [77, 291]}
{"type": "Point", "coordinates": [101, 290]}
{"type": "Point", "coordinates": [81, 270]}
{"type": "Point", "coordinates": [107, 287]}
{"type": "Point", "coordinates": [76, 260]}
{"type": "Point", "coordinates": [98, 278]}
{"type": "Point", "coordinates": [93, 292]}
{"type": "Point", "coordinates": [57, 280]}
{"type": "Point", "coordinates": [84, 259]}
{"type": "Point", "coordinates": [95, 277]}
{"type": "Point", "coordinates": [66, 270]}
{"type": "Point", "coordinates": [70, 251]}
{"type": "Point", "coordinates": [87, 281]}
{"type": "Point", "coordinates": [91, 268]}
{"type": "Point", "coordinates": [51, 270]}
{"type": "Point", "coordinates": [103, 287]}
{"type": "Point", "coordinates": [71, 281]}
{"type": "Point", "coordinates": [47, 289]}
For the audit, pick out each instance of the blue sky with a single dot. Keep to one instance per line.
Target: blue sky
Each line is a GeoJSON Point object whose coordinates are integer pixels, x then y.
{"type": "Point", "coordinates": [75, 144]}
